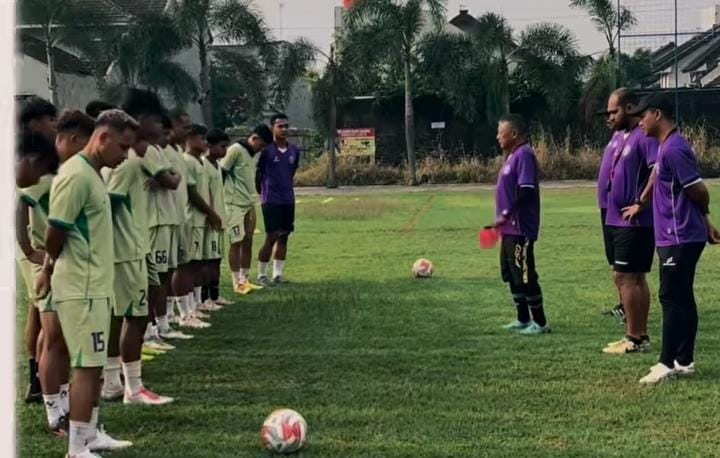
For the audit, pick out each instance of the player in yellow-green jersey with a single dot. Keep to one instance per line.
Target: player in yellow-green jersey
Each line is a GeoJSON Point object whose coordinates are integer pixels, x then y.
{"type": "Point", "coordinates": [134, 280]}
{"type": "Point", "coordinates": [74, 129]}
{"type": "Point", "coordinates": [239, 167]}
{"type": "Point", "coordinates": [40, 117]}
{"type": "Point", "coordinates": [79, 270]}
{"type": "Point", "coordinates": [214, 245]}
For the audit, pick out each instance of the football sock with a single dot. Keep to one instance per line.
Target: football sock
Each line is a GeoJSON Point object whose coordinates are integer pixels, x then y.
{"type": "Point", "coordinates": [278, 267]}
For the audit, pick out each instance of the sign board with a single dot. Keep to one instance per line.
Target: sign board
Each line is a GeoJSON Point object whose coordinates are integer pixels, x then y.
{"type": "Point", "coordinates": [437, 125]}
{"type": "Point", "coordinates": [356, 142]}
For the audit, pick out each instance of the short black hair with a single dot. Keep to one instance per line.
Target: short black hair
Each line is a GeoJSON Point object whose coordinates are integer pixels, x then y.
{"type": "Point", "coordinates": [264, 133]}
{"type": "Point", "coordinates": [76, 120]}
{"type": "Point", "coordinates": [95, 107]}
{"type": "Point", "coordinates": [627, 96]}
{"type": "Point", "coordinates": [118, 120]}
{"type": "Point", "coordinates": [36, 108]}
{"type": "Point", "coordinates": [277, 116]}
{"type": "Point", "coordinates": [31, 144]}
{"type": "Point", "coordinates": [215, 136]}
{"type": "Point", "coordinates": [197, 129]}
{"type": "Point", "coordinates": [166, 121]}
{"type": "Point", "coordinates": [139, 103]}
{"type": "Point", "coordinates": [177, 113]}
{"type": "Point", "coordinates": [517, 122]}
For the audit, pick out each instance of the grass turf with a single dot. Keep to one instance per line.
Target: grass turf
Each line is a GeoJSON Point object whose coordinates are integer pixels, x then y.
{"type": "Point", "coordinates": [382, 365]}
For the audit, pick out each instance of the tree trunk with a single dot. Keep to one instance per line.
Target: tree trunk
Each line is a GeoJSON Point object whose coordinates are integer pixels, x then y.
{"type": "Point", "coordinates": [409, 123]}
{"type": "Point", "coordinates": [52, 84]}
{"type": "Point", "coordinates": [332, 124]}
{"type": "Point", "coordinates": [205, 89]}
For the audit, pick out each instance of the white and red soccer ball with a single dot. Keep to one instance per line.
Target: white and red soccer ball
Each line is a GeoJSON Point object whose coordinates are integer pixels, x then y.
{"type": "Point", "coordinates": [284, 431]}
{"type": "Point", "coordinates": [422, 268]}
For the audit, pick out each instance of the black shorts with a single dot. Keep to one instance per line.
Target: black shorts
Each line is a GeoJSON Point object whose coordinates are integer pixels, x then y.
{"type": "Point", "coordinates": [517, 260]}
{"type": "Point", "coordinates": [279, 218]}
{"type": "Point", "coordinates": [607, 238]}
{"type": "Point", "coordinates": [632, 249]}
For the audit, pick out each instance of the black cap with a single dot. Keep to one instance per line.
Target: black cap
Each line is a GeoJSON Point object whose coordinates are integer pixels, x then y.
{"type": "Point", "coordinates": [658, 100]}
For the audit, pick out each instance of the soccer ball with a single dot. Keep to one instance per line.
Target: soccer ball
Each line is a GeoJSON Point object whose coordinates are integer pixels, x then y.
{"type": "Point", "coordinates": [422, 268]}
{"type": "Point", "coordinates": [284, 431]}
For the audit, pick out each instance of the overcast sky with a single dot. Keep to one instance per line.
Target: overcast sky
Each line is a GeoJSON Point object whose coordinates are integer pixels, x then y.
{"type": "Point", "coordinates": [313, 19]}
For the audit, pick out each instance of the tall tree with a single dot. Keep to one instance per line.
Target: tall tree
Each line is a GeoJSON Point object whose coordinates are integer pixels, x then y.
{"type": "Point", "coordinates": [392, 29]}
{"type": "Point", "coordinates": [140, 54]}
{"type": "Point", "coordinates": [608, 19]}
{"type": "Point", "coordinates": [230, 21]}
{"type": "Point", "coordinates": [57, 19]}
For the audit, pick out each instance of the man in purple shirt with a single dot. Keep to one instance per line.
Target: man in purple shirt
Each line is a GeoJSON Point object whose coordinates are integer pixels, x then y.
{"type": "Point", "coordinates": [682, 228]}
{"type": "Point", "coordinates": [517, 217]}
{"type": "Point", "coordinates": [275, 182]}
{"type": "Point", "coordinates": [602, 186]}
{"type": "Point", "coordinates": [628, 220]}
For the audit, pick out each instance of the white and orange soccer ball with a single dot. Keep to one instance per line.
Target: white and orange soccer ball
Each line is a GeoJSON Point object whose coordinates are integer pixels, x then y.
{"type": "Point", "coordinates": [422, 268]}
{"type": "Point", "coordinates": [284, 431]}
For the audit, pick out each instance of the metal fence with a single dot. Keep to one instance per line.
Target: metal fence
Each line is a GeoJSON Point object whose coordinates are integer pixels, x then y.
{"type": "Point", "coordinates": [683, 37]}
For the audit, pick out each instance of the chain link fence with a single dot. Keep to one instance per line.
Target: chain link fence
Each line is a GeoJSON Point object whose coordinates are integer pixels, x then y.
{"type": "Point", "coordinates": [682, 38]}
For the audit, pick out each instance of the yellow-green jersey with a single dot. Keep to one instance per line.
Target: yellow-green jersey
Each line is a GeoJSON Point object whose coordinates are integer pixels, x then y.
{"type": "Point", "coordinates": [126, 185]}
{"type": "Point", "coordinates": [177, 164]}
{"type": "Point", "coordinates": [162, 209]}
{"type": "Point", "coordinates": [80, 205]}
{"type": "Point", "coordinates": [37, 197]}
{"type": "Point", "coordinates": [240, 168]}
{"type": "Point", "coordinates": [215, 184]}
{"type": "Point", "coordinates": [197, 178]}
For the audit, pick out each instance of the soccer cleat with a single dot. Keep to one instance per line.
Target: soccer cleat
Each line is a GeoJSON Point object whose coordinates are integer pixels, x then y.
{"type": "Point", "coordinates": [280, 280]}
{"type": "Point", "coordinates": [253, 286]}
{"type": "Point", "coordinates": [684, 370]}
{"type": "Point", "coordinates": [148, 350]}
{"type": "Point", "coordinates": [242, 288]}
{"type": "Point", "coordinates": [534, 329]}
{"type": "Point", "coordinates": [144, 357]}
{"type": "Point", "coordinates": [618, 311]}
{"type": "Point", "coordinates": [84, 454]}
{"type": "Point", "coordinates": [209, 306]}
{"type": "Point", "coordinates": [200, 315]}
{"type": "Point", "coordinates": [222, 301]}
{"type": "Point", "coordinates": [658, 373]}
{"type": "Point", "coordinates": [175, 319]}
{"type": "Point", "coordinates": [626, 345]}
{"type": "Point", "coordinates": [172, 334]}
{"type": "Point", "coordinates": [159, 344]}
{"type": "Point", "coordinates": [192, 322]}
{"type": "Point", "coordinates": [61, 427]}
{"type": "Point", "coordinates": [103, 441]}
{"type": "Point", "coordinates": [516, 325]}
{"type": "Point", "coordinates": [264, 281]}
{"type": "Point", "coordinates": [146, 397]}
{"type": "Point", "coordinates": [112, 393]}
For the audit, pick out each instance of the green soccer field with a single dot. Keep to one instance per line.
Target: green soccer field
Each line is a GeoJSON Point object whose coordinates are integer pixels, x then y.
{"type": "Point", "coordinates": [382, 365]}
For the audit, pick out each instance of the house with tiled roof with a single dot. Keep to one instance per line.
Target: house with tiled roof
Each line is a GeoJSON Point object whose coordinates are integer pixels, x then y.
{"type": "Point", "coordinates": [698, 62]}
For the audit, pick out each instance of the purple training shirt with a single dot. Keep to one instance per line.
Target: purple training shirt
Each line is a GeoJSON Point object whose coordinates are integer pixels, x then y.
{"type": "Point", "coordinates": [277, 171]}
{"type": "Point", "coordinates": [677, 219]}
{"type": "Point", "coordinates": [520, 171]}
{"type": "Point", "coordinates": [632, 163]}
{"type": "Point", "coordinates": [604, 173]}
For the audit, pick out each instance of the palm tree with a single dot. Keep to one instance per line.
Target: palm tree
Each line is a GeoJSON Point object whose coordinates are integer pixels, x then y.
{"type": "Point", "coordinates": [139, 55]}
{"type": "Point", "coordinates": [57, 20]}
{"type": "Point", "coordinates": [205, 21]}
{"type": "Point", "coordinates": [608, 19]}
{"type": "Point", "coordinates": [392, 29]}
{"type": "Point", "coordinates": [290, 61]}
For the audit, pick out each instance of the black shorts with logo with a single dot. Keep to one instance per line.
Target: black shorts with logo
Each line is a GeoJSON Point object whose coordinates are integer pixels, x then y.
{"type": "Point", "coordinates": [279, 218]}
{"type": "Point", "coordinates": [517, 260]}
{"type": "Point", "coordinates": [632, 249]}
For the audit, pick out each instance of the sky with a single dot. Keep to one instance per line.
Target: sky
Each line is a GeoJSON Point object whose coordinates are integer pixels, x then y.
{"type": "Point", "coordinates": [313, 19]}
